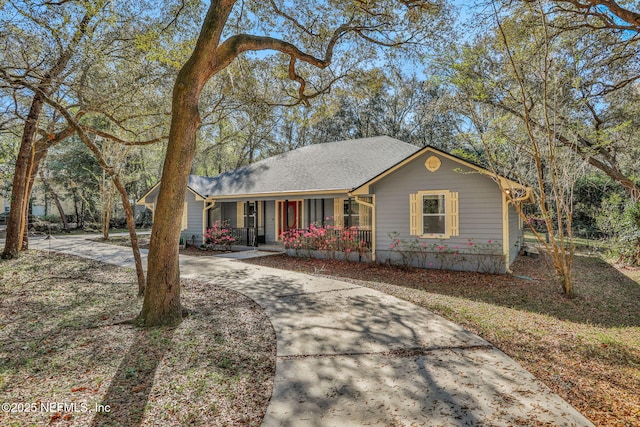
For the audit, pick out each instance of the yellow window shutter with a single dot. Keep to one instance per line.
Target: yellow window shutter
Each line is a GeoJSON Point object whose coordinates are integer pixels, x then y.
{"type": "Point", "coordinates": [240, 214]}
{"type": "Point", "coordinates": [414, 215]}
{"type": "Point", "coordinates": [338, 212]}
{"type": "Point", "coordinates": [185, 216]}
{"type": "Point", "coordinates": [365, 216]}
{"type": "Point", "coordinates": [454, 229]}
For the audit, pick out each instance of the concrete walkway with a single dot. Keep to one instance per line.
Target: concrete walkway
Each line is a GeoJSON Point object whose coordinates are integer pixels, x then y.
{"type": "Point", "coordinates": [352, 356]}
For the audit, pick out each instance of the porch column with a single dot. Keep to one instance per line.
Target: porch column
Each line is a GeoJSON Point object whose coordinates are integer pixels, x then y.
{"type": "Point", "coordinates": [256, 215]}
{"type": "Point", "coordinates": [285, 226]}
{"type": "Point", "coordinates": [246, 221]}
{"type": "Point", "coordinates": [264, 220]}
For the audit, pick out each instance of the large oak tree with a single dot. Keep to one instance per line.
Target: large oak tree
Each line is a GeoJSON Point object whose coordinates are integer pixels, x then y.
{"type": "Point", "coordinates": [307, 35]}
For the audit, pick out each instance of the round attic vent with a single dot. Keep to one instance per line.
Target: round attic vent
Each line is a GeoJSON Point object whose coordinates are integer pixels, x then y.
{"type": "Point", "coordinates": [432, 164]}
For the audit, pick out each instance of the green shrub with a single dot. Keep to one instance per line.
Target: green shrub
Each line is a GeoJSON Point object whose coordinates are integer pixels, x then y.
{"type": "Point", "coordinates": [620, 220]}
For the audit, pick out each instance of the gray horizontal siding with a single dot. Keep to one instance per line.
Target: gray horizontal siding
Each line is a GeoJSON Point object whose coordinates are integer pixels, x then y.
{"type": "Point", "coordinates": [229, 213]}
{"type": "Point", "coordinates": [193, 232]}
{"type": "Point", "coordinates": [483, 263]}
{"type": "Point", "coordinates": [194, 219]}
{"type": "Point", "coordinates": [515, 234]}
{"type": "Point", "coordinates": [480, 204]}
{"type": "Point", "coordinates": [316, 215]}
{"type": "Point", "coordinates": [270, 221]}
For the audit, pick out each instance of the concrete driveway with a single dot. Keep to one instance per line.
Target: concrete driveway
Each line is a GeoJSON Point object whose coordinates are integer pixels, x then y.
{"type": "Point", "coordinates": [352, 356]}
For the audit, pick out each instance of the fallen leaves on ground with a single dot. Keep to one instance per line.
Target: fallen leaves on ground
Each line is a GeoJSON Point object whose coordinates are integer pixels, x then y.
{"type": "Point", "coordinates": [61, 343]}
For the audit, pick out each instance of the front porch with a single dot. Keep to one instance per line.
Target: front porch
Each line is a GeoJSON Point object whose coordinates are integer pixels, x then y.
{"type": "Point", "coordinates": [251, 237]}
{"type": "Point", "coordinates": [265, 222]}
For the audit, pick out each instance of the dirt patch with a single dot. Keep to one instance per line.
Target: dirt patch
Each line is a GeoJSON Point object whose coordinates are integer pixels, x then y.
{"type": "Point", "coordinates": [65, 360]}
{"type": "Point", "coordinates": [586, 349]}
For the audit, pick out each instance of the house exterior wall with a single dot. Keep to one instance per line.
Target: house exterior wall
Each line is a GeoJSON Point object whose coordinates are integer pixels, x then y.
{"type": "Point", "coordinates": [516, 238]}
{"type": "Point", "coordinates": [229, 213]}
{"type": "Point", "coordinates": [270, 221]}
{"type": "Point", "coordinates": [194, 215]}
{"type": "Point", "coordinates": [314, 211]}
{"type": "Point", "coordinates": [479, 215]}
{"type": "Point", "coordinates": [193, 233]}
{"type": "Point", "coordinates": [214, 214]}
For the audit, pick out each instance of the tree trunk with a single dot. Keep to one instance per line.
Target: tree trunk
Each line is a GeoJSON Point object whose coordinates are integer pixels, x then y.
{"type": "Point", "coordinates": [114, 176]}
{"type": "Point", "coordinates": [56, 200]}
{"type": "Point", "coordinates": [563, 271]}
{"type": "Point", "coordinates": [162, 294]}
{"type": "Point", "coordinates": [107, 207]}
{"type": "Point", "coordinates": [131, 226]}
{"type": "Point", "coordinates": [16, 227]}
{"type": "Point", "coordinates": [19, 190]}
{"type": "Point", "coordinates": [40, 152]}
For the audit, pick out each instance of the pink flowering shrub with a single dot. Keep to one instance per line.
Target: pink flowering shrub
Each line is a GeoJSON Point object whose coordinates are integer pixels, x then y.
{"type": "Point", "coordinates": [219, 237]}
{"type": "Point", "coordinates": [486, 257]}
{"type": "Point", "coordinates": [329, 238]}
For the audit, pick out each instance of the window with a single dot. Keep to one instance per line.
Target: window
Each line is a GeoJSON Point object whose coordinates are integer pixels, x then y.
{"type": "Point", "coordinates": [351, 213]}
{"type": "Point", "coordinates": [246, 214]}
{"type": "Point", "coordinates": [250, 214]}
{"type": "Point", "coordinates": [434, 214]}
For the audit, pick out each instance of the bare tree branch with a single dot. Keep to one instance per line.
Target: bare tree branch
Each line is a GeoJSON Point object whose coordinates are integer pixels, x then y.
{"type": "Point", "coordinates": [121, 141]}
{"type": "Point", "coordinates": [110, 170]}
{"type": "Point", "coordinates": [292, 19]}
{"type": "Point", "coordinates": [175, 17]}
{"type": "Point", "coordinates": [590, 8]}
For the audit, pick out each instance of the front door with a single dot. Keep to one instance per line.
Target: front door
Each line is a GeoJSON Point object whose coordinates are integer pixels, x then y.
{"type": "Point", "coordinates": [288, 216]}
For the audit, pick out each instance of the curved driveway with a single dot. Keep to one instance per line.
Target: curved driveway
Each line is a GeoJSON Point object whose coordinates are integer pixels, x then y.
{"type": "Point", "coordinates": [352, 356]}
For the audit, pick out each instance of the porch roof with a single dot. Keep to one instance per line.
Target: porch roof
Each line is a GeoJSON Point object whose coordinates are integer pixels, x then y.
{"type": "Point", "coordinates": [341, 165]}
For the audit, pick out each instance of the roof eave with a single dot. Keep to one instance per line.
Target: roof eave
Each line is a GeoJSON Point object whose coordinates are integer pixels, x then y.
{"type": "Point", "coordinates": [141, 201]}
{"type": "Point", "coordinates": [293, 193]}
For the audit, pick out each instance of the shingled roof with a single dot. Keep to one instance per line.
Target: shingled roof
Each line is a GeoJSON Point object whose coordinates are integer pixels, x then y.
{"type": "Point", "coordinates": [341, 165]}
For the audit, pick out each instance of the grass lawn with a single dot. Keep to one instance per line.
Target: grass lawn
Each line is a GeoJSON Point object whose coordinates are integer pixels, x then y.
{"type": "Point", "coordinates": [586, 349]}
{"type": "Point", "coordinates": [61, 343]}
